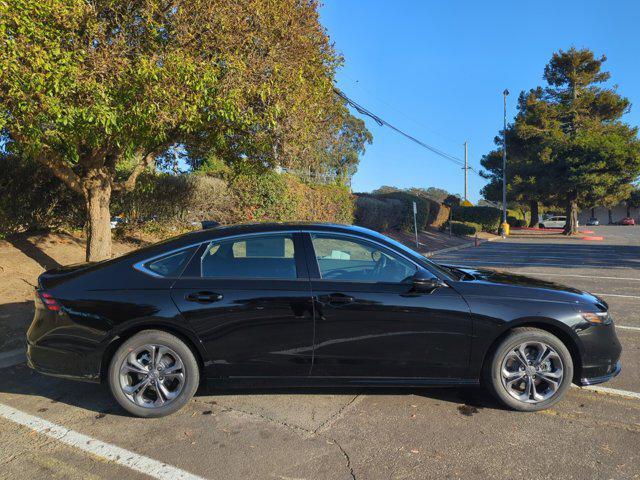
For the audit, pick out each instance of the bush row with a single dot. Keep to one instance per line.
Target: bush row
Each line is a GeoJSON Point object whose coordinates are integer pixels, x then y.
{"type": "Point", "coordinates": [463, 228]}
{"type": "Point", "coordinates": [487, 217]}
{"type": "Point", "coordinates": [166, 204]}
{"type": "Point", "coordinates": [394, 210]}
{"type": "Point", "coordinates": [516, 222]}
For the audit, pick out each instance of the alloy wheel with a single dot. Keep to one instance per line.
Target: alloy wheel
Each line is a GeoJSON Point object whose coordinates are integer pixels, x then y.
{"type": "Point", "coordinates": [532, 372]}
{"type": "Point", "coordinates": [152, 376]}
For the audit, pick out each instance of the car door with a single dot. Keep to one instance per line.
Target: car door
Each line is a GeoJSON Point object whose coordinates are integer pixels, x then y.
{"type": "Point", "coordinates": [372, 324]}
{"type": "Point", "coordinates": [248, 299]}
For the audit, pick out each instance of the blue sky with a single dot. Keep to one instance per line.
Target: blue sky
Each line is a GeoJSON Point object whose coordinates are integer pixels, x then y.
{"type": "Point", "coordinates": [437, 69]}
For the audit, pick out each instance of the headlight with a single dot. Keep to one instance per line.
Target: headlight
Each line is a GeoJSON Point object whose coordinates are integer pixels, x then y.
{"type": "Point", "coordinates": [600, 318]}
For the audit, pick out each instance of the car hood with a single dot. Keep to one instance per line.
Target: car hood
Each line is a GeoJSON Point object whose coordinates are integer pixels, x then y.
{"type": "Point", "coordinates": [500, 283]}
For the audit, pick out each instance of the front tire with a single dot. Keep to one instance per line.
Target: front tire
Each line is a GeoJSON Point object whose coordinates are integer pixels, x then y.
{"type": "Point", "coordinates": [153, 374]}
{"type": "Point", "coordinates": [530, 370]}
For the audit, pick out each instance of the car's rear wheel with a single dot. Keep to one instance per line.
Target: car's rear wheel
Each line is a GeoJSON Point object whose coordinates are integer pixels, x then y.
{"type": "Point", "coordinates": [153, 374]}
{"type": "Point", "coordinates": [530, 370]}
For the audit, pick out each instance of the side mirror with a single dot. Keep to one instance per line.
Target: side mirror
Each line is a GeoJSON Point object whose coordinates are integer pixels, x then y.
{"type": "Point", "coordinates": [425, 282]}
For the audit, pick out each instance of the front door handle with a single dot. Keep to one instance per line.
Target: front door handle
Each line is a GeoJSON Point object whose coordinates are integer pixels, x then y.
{"type": "Point", "coordinates": [336, 298]}
{"type": "Point", "coordinates": [203, 297]}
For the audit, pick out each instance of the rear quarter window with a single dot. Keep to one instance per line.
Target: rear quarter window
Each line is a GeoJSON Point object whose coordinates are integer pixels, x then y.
{"type": "Point", "coordinates": [170, 265]}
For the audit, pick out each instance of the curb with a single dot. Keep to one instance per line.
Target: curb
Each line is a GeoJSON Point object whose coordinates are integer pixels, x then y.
{"type": "Point", "coordinates": [459, 247]}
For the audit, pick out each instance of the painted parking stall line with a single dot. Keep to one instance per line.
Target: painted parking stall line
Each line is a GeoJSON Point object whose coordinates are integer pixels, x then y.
{"type": "Point", "coordinates": [537, 264]}
{"type": "Point", "coordinates": [573, 275]}
{"type": "Point", "coordinates": [625, 327]}
{"type": "Point", "coordinates": [611, 391]}
{"type": "Point", "coordinates": [103, 450]}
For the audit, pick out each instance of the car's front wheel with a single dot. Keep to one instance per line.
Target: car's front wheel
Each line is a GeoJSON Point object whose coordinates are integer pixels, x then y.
{"type": "Point", "coordinates": [153, 374]}
{"type": "Point", "coordinates": [530, 370]}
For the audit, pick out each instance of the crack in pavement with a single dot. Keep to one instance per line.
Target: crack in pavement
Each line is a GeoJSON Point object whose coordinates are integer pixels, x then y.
{"type": "Point", "coordinates": [328, 422]}
{"type": "Point", "coordinates": [298, 429]}
{"type": "Point", "coordinates": [346, 456]}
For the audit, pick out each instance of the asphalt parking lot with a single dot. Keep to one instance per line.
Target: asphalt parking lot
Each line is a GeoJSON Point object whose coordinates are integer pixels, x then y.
{"type": "Point", "coordinates": [52, 428]}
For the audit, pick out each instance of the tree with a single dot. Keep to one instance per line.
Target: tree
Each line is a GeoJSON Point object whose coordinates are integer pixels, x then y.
{"type": "Point", "coordinates": [90, 86]}
{"type": "Point", "coordinates": [595, 155]}
{"type": "Point", "coordinates": [568, 144]}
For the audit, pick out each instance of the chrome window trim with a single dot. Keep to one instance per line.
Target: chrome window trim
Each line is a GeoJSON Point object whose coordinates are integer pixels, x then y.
{"type": "Point", "coordinates": [140, 266]}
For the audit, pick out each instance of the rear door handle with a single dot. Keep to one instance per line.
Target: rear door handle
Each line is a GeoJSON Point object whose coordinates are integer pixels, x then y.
{"type": "Point", "coordinates": [203, 297]}
{"type": "Point", "coordinates": [337, 298]}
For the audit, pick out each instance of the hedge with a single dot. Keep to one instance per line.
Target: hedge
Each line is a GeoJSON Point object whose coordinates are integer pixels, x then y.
{"type": "Point", "coordinates": [487, 217]}
{"type": "Point", "coordinates": [379, 214]}
{"type": "Point", "coordinates": [166, 204]}
{"type": "Point", "coordinates": [464, 228]}
{"type": "Point", "coordinates": [516, 222]}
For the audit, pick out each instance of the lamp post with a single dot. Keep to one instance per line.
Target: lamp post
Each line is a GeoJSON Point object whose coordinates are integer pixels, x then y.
{"type": "Point", "coordinates": [504, 166]}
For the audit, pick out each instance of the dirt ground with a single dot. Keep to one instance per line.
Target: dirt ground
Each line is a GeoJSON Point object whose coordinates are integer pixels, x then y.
{"type": "Point", "coordinates": [22, 259]}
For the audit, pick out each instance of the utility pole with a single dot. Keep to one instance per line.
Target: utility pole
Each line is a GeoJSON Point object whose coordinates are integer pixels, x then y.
{"type": "Point", "coordinates": [466, 171]}
{"type": "Point", "coordinates": [504, 165]}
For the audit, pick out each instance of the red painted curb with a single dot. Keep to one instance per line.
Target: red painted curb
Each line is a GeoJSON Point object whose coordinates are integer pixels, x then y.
{"type": "Point", "coordinates": [585, 231]}
{"type": "Point", "coordinates": [593, 238]}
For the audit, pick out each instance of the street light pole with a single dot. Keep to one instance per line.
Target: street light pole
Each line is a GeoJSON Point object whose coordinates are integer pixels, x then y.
{"type": "Point", "coordinates": [504, 164]}
{"type": "Point", "coordinates": [466, 171]}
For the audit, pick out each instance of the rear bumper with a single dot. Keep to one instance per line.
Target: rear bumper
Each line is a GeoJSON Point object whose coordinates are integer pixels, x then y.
{"type": "Point", "coordinates": [62, 363]}
{"type": "Point", "coordinates": [584, 382]}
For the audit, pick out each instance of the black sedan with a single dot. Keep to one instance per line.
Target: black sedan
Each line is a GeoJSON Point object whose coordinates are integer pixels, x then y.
{"type": "Point", "coordinates": [300, 304]}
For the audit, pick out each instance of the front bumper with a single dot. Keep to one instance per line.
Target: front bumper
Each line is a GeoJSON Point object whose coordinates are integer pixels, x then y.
{"type": "Point", "coordinates": [601, 351]}
{"type": "Point", "coordinates": [584, 382]}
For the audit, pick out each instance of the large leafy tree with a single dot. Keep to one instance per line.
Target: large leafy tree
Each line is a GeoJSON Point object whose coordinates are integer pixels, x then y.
{"type": "Point", "coordinates": [568, 138]}
{"type": "Point", "coordinates": [89, 86]}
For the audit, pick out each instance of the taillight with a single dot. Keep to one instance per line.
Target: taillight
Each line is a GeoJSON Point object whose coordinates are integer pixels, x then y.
{"type": "Point", "coordinates": [49, 302]}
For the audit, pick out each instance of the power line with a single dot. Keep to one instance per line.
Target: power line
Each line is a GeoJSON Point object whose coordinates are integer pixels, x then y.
{"type": "Point", "coordinates": [362, 110]}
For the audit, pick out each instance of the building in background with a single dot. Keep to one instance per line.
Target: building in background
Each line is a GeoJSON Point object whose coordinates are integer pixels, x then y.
{"type": "Point", "coordinates": [609, 215]}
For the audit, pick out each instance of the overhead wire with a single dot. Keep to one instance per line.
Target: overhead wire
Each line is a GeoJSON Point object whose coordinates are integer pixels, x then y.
{"type": "Point", "coordinates": [380, 121]}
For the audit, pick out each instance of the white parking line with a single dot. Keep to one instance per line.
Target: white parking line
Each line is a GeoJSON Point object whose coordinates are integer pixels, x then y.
{"type": "Point", "coordinates": [103, 450]}
{"type": "Point", "coordinates": [624, 327]}
{"type": "Point", "coordinates": [535, 264]}
{"type": "Point", "coordinates": [580, 276]}
{"type": "Point", "coordinates": [617, 295]}
{"type": "Point", "coordinates": [612, 391]}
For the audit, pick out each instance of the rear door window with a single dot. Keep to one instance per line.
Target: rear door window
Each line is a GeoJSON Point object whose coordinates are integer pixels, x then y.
{"type": "Point", "coordinates": [260, 256]}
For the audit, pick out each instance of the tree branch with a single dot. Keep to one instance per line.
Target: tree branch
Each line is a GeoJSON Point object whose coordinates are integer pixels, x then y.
{"type": "Point", "coordinates": [63, 171]}
{"type": "Point", "coordinates": [130, 183]}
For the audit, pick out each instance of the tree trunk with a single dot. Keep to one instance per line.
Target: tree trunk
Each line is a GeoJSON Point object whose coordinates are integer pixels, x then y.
{"type": "Point", "coordinates": [610, 216]}
{"type": "Point", "coordinates": [535, 213]}
{"type": "Point", "coordinates": [97, 195]}
{"type": "Point", "coordinates": [571, 227]}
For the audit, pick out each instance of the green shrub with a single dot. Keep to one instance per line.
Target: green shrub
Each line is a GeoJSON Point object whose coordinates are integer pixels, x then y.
{"type": "Point", "coordinates": [34, 199]}
{"type": "Point", "coordinates": [464, 228]}
{"type": "Point", "coordinates": [488, 217]}
{"type": "Point", "coordinates": [175, 200]}
{"type": "Point", "coordinates": [516, 222]}
{"type": "Point", "coordinates": [379, 214]}
{"type": "Point", "coordinates": [405, 222]}
{"type": "Point", "coordinates": [283, 197]}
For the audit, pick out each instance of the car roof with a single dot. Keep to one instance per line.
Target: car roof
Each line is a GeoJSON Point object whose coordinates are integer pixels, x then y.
{"type": "Point", "coordinates": [249, 228]}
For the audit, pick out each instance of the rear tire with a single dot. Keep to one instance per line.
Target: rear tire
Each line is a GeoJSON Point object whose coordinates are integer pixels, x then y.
{"type": "Point", "coordinates": [530, 370]}
{"type": "Point", "coordinates": [153, 374]}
